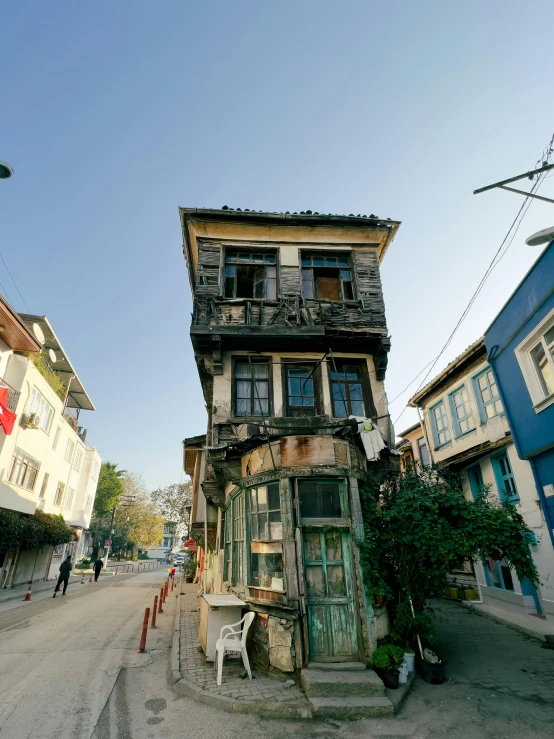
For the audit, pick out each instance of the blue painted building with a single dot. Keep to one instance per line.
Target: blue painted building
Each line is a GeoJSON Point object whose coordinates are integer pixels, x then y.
{"type": "Point", "coordinates": [520, 347]}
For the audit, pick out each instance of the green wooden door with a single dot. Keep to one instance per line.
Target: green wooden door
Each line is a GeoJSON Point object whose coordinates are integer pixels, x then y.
{"type": "Point", "coordinates": [332, 623]}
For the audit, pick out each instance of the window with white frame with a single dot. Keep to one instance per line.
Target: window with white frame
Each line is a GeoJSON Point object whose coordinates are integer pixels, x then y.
{"type": "Point", "coordinates": [488, 398]}
{"type": "Point", "coordinates": [24, 470]}
{"type": "Point", "coordinates": [439, 424]}
{"type": "Point", "coordinates": [42, 408]}
{"type": "Point", "coordinates": [78, 461]}
{"type": "Point", "coordinates": [42, 494]}
{"type": "Point", "coordinates": [56, 439]}
{"type": "Point", "coordinates": [542, 356]}
{"type": "Point", "coordinates": [95, 469]}
{"type": "Point", "coordinates": [68, 500]}
{"type": "Point", "coordinates": [88, 505]}
{"type": "Point", "coordinates": [461, 411]}
{"type": "Point", "coordinates": [69, 450]}
{"type": "Point", "coordinates": [59, 494]}
{"type": "Point", "coordinates": [423, 452]}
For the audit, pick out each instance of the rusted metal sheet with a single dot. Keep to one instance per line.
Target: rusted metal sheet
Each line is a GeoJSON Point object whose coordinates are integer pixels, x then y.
{"type": "Point", "coordinates": [300, 451]}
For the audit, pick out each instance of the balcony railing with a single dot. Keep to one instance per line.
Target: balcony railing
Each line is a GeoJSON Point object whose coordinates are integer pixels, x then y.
{"type": "Point", "coordinates": [13, 395]}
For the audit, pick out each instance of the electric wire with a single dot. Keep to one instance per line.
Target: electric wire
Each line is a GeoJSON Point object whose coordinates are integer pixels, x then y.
{"type": "Point", "coordinates": [501, 251]}
{"type": "Point", "coordinates": [15, 283]}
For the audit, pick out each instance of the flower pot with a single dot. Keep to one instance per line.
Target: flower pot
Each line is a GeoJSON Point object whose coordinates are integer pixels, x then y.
{"type": "Point", "coordinates": [379, 600]}
{"type": "Point", "coordinates": [189, 578]}
{"type": "Point", "coordinates": [453, 593]}
{"type": "Point", "coordinates": [470, 594]}
{"type": "Point", "coordinates": [431, 673]}
{"type": "Point", "coordinates": [389, 678]}
{"type": "Point", "coordinates": [461, 594]}
{"type": "Point", "coordinates": [409, 657]}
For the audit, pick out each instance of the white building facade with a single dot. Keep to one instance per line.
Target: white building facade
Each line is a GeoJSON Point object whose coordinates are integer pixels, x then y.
{"type": "Point", "coordinates": [466, 431]}
{"type": "Point", "coordinates": [45, 463]}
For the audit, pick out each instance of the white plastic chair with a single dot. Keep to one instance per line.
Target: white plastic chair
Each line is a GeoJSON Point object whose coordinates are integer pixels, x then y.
{"type": "Point", "coordinates": [234, 641]}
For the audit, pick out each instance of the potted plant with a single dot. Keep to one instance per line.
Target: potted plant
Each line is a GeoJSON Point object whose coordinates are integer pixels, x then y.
{"type": "Point", "coordinates": [386, 661]}
{"type": "Point", "coordinates": [380, 599]}
{"type": "Point", "coordinates": [191, 572]}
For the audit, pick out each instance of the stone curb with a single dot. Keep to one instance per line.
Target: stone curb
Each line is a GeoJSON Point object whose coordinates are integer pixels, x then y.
{"type": "Point", "coordinates": [510, 624]}
{"type": "Point", "coordinates": [183, 686]}
{"type": "Point", "coordinates": [398, 696]}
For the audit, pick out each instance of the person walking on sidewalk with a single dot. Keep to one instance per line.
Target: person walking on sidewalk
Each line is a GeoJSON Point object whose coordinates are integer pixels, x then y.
{"type": "Point", "coordinates": [97, 567]}
{"type": "Point", "coordinates": [65, 569]}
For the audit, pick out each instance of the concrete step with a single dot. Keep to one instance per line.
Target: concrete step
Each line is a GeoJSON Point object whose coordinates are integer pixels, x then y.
{"type": "Point", "coordinates": [354, 707]}
{"type": "Point", "coordinates": [337, 666]}
{"type": "Point", "coordinates": [335, 683]}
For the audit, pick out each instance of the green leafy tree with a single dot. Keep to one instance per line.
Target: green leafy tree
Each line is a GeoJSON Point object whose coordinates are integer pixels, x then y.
{"type": "Point", "coordinates": [31, 532]}
{"type": "Point", "coordinates": [174, 501]}
{"type": "Point", "coordinates": [109, 490]}
{"type": "Point", "coordinates": [419, 527]}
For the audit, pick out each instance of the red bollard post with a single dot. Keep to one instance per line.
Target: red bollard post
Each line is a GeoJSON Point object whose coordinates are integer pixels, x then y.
{"type": "Point", "coordinates": [142, 647]}
{"type": "Point", "coordinates": [160, 609]}
{"type": "Point", "coordinates": [171, 584]}
{"type": "Point", "coordinates": [153, 624]}
{"type": "Point", "coordinates": [165, 590]}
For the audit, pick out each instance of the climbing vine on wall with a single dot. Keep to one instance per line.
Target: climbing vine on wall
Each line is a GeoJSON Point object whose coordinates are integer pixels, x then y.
{"type": "Point", "coordinates": [31, 532]}
{"type": "Point", "coordinates": [419, 527]}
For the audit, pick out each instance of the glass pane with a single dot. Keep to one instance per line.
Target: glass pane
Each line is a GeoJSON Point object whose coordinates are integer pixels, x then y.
{"type": "Point", "coordinates": [343, 262]}
{"type": "Point", "coordinates": [340, 409]}
{"type": "Point", "coordinates": [274, 496]}
{"type": "Point", "coordinates": [355, 391]}
{"type": "Point", "coordinates": [263, 529]}
{"type": "Point", "coordinates": [351, 372]}
{"type": "Point", "coordinates": [261, 407]}
{"type": "Point", "coordinates": [498, 406]}
{"type": "Point", "coordinates": [358, 408]}
{"type": "Point", "coordinates": [229, 287]}
{"type": "Point", "coordinates": [318, 261]}
{"type": "Point", "coordinates": [275, 525]}
{"type": "Point", "coordinates": [271, 289]}
{"type": "Point", "coordinates": [306, 261]}
{"type": "Point", "coordinates": [243, 407]}
{"type": "Point", "coordinates": [491, 412]}
{"type": "Point", "coordinates": [262, 498]}
{"type": "Point", "coordinates": [315, 582]}
{"type": "Point", "coordinates": [330, 261]}
{"type": "Point", "coordinates": [330, 501]}
{"type": "Point", "coordinates": [260, 370]}
{"type": "Point", "coordinates": [257, 257]}
{"type": "Point", "coordinates": [335, 581]}
{"type": "Point", "coordinates": [339, 391]}
{"type": "Point", "coordinates": [230, 258]}
{"type": "Point", "coordinates": [255, 529]}
{"type": "Point", "coordinates": [244, 388]}
{"type": "Point", "coordinates": [307, 284]}
{"type": "Point", "coordinates": [312, 546]}
{"type": "Point", "coordinates": [333, 546]}
{"type": "Point", "coordinates": [549, 336]}
{"type": "Point", "coordinates": [269, 259]}
{"type": "Point", "coordinates": [242, 369]}
{"type": "Point", "coordinates": [261, 390]}
{"type": "Point", "coordinates": [267, 571]}
{"type": "Point", "coordinates": [253, 500]}
{"type": "Point", "coordinates": [507, 577]}
{"type": "Point", "coordinates": [544, 369]}
{"type": "Point", "coordinates": [244, 258]}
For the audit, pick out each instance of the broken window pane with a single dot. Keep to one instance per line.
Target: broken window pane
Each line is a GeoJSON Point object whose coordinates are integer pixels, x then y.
{"type": "Point", "coordinates": [312, 546]}
{"type": "Point", "coordinates": [333, 545]}
{"type": "Point", "coordinates": [335, 581]}
{"type": "Point", "coordinates": [314, 581]}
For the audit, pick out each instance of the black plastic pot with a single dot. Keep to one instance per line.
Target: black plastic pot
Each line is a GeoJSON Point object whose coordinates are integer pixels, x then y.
{"type": "Point", "coordinates": [431, 673]}
{"type": "Point", "coordinates": [389, 678]}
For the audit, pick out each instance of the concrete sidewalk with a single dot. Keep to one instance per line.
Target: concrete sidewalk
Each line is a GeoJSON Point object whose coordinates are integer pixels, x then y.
{"type": "Point", "coordinates": [539, 628]}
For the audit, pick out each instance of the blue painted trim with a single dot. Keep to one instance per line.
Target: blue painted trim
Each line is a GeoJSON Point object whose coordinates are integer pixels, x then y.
{"type": "Point", "coordinates": [475, 489]}
{"type": "Point", "coordinates": [436, 442]}
{"type": "Point", "coordinates": [515, 437]}
{"type": "Point", "coordinates": [455, 420]}
{"type": "Point", "coordinates": [500, 484]}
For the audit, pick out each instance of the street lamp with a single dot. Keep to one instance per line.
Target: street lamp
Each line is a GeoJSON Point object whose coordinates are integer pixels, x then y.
{"type": "Point", "coordinates": [5, 171]}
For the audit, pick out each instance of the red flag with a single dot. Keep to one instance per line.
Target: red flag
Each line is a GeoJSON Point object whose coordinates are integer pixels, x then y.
{"type": "Point", "coordinates": [7, 417]}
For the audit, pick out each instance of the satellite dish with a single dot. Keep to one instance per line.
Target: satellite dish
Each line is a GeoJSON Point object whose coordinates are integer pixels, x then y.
{"type": "Point", "coordinates": [541, 237]}
{"type": "Point", "coordinates": [38, 333]}
{"type": "Point", "coordinates": [52, 355]}
{"type": "Point", "coordinates": [5, 171]}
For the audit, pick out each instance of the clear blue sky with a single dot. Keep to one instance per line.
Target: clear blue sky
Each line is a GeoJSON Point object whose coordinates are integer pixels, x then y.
{"type": "Point", "coordinates": [116, 113]}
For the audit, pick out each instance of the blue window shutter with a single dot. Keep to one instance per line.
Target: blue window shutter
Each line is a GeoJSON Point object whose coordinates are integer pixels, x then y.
{"type": "Point", "coordinates": [475, 477]}
{"type": "Point", "coordinates": [504, 494]}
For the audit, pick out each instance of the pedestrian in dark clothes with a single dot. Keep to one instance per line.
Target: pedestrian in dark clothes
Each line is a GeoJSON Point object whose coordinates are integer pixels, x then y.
{"type": "Point", "coordinates": [97, 567]}
{"type": "Point", "coordinates": [65, 569]}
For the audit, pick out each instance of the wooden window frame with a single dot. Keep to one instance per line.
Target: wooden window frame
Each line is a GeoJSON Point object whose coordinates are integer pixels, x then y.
{"type": "Point", "coordinates": [344, 520]}
{"type": "Point", "coordinates": [248, 250]}
{"type": "Point", "coordinates": [260, 359]}
{"type": "Point", "coordinates": [481, 404]}
{"type": "Point", "coordinates": [367, 395]}
{"type": "Point", "coordinates": [318, 406]}
{"type": "Point", "coordinates": [457, 420]}
{"type": "Point", "coordinates": [501, 478]}
{"type": "Point", "coordinates": [346, 256]}
{"type": "Point", "coordinates": [20, 466]}
{"type": "Point", "coordinates": [439, 444]}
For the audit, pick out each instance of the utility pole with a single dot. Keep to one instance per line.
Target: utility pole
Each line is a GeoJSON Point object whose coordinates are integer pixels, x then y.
{"type": "Point", "coordinates": [107, 555]}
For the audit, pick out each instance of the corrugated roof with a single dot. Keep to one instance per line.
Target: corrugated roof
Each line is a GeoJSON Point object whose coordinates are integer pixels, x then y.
{"type": "Point", "coordinates": [466, 354]}
{"type": "Point", "coordinates": [77, 395]}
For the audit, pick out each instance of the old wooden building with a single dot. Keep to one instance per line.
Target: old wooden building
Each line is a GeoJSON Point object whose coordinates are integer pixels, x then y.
{"type": "Point", "coordinates": [291, 343]}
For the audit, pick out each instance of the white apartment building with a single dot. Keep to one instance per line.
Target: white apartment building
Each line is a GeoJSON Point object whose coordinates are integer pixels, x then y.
{"type": "Point", "coordinates": [45, 463]}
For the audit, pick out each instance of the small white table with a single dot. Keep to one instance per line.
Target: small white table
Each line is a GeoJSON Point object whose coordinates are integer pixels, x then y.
{"type": "Point", "coordinates": [217, 610]}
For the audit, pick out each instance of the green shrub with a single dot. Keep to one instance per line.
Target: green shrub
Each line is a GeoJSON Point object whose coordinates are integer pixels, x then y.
{"type": "Point", "coordinates": [388, 657]}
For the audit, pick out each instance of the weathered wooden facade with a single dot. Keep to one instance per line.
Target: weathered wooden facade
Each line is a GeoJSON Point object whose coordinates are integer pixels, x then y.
{"type": "Point", "coordinates": [290, 339]}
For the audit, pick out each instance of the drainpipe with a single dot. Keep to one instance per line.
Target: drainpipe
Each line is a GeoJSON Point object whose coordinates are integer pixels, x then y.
{"type": "Point", "coordinates": [538, 486]}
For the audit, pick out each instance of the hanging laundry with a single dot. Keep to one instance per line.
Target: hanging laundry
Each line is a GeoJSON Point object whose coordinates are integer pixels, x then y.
{"type": "Point", "coordinates": [371, 437]}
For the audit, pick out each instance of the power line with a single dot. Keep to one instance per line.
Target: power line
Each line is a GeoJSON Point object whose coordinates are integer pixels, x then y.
{"type": "Point", "coordinates": [15, 283]}
{"type": "Point", "coordinates": [547, 153]}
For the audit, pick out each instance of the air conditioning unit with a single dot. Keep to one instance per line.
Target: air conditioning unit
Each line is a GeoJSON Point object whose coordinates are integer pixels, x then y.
{"type": "Point", "coordinates": [34, 421]}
